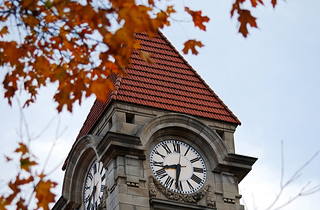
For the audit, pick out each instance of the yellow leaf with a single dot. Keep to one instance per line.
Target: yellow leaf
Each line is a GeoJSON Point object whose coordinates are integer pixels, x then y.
{"type": "Point", "coordinates": [146, 57]}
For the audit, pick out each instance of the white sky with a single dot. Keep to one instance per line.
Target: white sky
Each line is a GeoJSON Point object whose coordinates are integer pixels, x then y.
{"type": "Point", "coordinates": [270, 81]}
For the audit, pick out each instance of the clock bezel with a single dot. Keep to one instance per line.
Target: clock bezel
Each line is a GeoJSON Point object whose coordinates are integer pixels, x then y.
{"type": "Point", "coordinates": [154, 168]}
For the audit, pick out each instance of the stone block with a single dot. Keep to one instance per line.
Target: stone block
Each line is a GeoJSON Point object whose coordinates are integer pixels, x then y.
{"type": "Point", "coordinates": [138, 191]}
{"type": "Point", "coordinates": [132, 160]}
{"type": "Point", "coordinates": [132, 170]}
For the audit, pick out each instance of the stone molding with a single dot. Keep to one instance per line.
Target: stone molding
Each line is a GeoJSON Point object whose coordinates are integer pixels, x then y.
{"type": "Point", "coordinates": [193, 198]}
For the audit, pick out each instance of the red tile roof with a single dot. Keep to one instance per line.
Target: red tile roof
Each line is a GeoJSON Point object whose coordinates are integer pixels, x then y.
{"type": "Point", "coordinates": [170, 84]}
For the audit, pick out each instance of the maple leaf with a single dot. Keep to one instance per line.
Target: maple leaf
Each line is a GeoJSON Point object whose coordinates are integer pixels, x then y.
{"type": "Point", "coordinates": [26, 163]}
{"type": "Point", "coordinates": [44, 194]}
{"type": "Point", "coordinates": [197, 18]}
{"type": "Point", "coordinates": [191, 45]}
{"type": "Point", "coordinates": [245, 18]}
{"type": "Point", "coordinates": [146, 57]}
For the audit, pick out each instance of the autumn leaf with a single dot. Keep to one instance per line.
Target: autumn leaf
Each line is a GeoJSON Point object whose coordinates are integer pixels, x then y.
{"type": "Point", "coordinates": [4, 31]}
{"type": "Point", "coordinates": [26, 163]}
{"type": "Point", "coordinates": [254, 3]}
{"type": "Point", "coordinates": [191, 45]}
{"type": "Point", "coordinates": [44, 194]}
{"type": "Point", "coordinates": [245, 18]}
{"type": "Point", "coordinates": [146, 57]}
{"type": "Point", "coordinates": [23, 149]}
{"type": "Point", "coordinates": [274, 3]}
{"type": "Point", "coordinates": [198, 20]}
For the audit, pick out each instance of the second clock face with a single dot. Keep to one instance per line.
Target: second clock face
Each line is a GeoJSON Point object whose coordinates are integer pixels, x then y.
{"type": "Point", "coordinates": [178, 166]}
{"type": "Point", "coordinates": [94, 186]}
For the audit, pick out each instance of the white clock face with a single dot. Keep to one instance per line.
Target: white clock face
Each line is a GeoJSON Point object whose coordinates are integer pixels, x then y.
{"type": "Point", "coordinates": [178, 166]}
{"type": "Point", "coordinates": [94, 186]}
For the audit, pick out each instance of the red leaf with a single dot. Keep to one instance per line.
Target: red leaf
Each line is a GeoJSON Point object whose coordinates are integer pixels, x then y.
{"type": "Point", "coordinates": [245, 17]}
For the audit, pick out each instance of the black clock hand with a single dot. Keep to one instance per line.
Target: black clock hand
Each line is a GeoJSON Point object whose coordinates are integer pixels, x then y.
{"type": "Point", "coordinates": [178, 175]}
{"type": "Point", "coordinates": [170, 166]}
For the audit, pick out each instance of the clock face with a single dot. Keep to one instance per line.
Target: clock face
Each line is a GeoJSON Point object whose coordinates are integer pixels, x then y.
{"type": "Point", "coordinates": [94, 186]}
{"type": "Point", "coordinates": [178, 166]}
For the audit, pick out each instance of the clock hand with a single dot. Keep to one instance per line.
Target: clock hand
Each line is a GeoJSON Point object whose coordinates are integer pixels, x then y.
{"type": "Point", "coordinates": [170, 166]}
{"type": "Point", "coordinates": [178, 175]}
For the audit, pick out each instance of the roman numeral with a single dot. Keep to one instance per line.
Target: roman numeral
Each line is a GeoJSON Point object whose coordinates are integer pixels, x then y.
{"type": "Point", "coordinates": [90, 175]}
{"type": "Point", "coordinates": [156, 152]}
{"type": "Point", "coordinates": [155, 163]}
{"type": "Point", "coordinates": [165, 146]}
{"type": "Point", "coordinates": [176, 147]}
{"type": "Point", "coordinates": [103, 177]}
{"type": "Point", "coordinates": [168, 182]}
{"type": "Point", "coordinates": [95, 169]}
{"type": "Point", "coordinates": [101, 169]}
{"type": "Point", "coordinates": [196, 178]}
{"type": "Point", "coordinates": [186, 151]}
{"type": "Point", "coordinates": [87, 199]}
{"type": "Point", "coordinates": [194, 160]}
{"type": "Point", "coordinates": [190, 185]}
{"type": "Point", "coordinates": [198, 170]}
{"type": "Point", "coordinates": [180, 186]}
{"type": "Point", "coordinates": [161, 173]}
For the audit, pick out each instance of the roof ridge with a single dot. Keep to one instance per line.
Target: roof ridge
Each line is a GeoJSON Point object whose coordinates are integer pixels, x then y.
{"type": "Point", "coordinates": [230, 112]}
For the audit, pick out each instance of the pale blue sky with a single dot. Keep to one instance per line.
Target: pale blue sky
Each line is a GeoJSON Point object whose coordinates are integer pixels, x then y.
{"type": "Point", "coordinates": [270, 81]}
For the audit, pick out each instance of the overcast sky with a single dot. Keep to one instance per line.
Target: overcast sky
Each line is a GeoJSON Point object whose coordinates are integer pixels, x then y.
{"type": "Point", "coordinates": [270, 81]}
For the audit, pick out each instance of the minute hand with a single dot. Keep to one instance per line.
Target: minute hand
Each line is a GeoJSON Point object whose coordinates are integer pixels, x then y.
{"type": "Point", "coordinates": [178, 175]}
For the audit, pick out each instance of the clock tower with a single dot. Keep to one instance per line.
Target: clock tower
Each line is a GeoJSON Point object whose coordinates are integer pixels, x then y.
{"type": "Point", "coordinates": [162, 140]}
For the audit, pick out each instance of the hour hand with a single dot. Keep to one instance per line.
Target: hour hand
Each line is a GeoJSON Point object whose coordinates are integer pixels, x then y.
{"type": "Point", "coordinates": [170, 166]}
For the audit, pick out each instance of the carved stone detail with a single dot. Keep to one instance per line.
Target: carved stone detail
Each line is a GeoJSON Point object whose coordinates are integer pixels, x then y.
{"type": "Point", "coordinates": [210, 199]}
{"type": "Point", "coordinates": [152, 188]}
{"type": "Point", "coordinates": [187, 198]}
{"type": "Point", "coordinates": [103, 203]}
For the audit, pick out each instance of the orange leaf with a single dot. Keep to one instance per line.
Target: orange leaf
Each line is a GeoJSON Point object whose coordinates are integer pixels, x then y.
{"type": "Point", "coordinates": [191, 45]}
{"type": "Point", "coordinates": [146, 57]}
{"type": "Point", "coordinates": [197, 18]}
{"type": "Point", "coordinates": [44, 194]}
{"type": "Point", "coordinates": [245, 17]}
{"type": "Point", "coordinates": [23, 149]}
{"type": "Point", "coordinates": [4, 31]}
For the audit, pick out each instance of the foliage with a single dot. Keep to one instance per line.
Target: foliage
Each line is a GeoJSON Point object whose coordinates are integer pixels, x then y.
{"type": "Point", "coordinates": [41, 187]}
{"type": "Point", "coordinates": [78, 44]}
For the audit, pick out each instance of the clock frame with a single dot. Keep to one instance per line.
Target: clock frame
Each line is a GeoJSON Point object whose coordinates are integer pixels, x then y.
{"type": "Point", "coordinates": [178, 166]}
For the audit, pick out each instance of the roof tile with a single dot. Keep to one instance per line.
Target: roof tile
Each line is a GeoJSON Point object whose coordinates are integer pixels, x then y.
{"type": "Point", "coordinates": [170, 84]}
